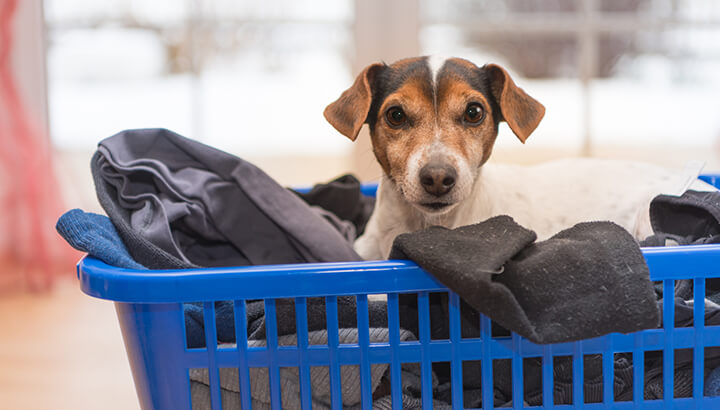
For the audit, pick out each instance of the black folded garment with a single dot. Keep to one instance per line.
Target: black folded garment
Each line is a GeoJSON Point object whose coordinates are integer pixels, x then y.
{"type": "Point", "coordinates": [692, 218]}
{"type": "Point", "coordinates": [584, 282]}
{"type": "Point", "coordinates": [342, 197]}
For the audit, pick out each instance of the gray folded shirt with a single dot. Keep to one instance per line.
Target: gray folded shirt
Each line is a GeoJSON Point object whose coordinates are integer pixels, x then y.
{"type": "Point", "coordinates": [178, 203]}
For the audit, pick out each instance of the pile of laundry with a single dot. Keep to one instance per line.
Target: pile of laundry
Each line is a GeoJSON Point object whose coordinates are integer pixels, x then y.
{"type": "Point", "coordinates": [174, 203]}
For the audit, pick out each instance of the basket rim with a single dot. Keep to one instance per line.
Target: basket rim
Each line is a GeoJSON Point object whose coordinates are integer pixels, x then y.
{"type": "Point", "coordinates": [104, 281]}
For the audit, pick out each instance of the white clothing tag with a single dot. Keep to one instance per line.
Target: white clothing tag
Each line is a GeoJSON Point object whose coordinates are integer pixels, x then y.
{"type": "Point", "coordinates": [689, 175]}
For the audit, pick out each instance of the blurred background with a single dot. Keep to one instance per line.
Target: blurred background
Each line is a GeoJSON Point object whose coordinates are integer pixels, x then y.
{"type": "Point", "coordinates": [635, 79]}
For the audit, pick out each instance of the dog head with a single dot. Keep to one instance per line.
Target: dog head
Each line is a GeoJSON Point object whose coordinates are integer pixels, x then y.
{"type": "Point", "coordinates": [433, 123]}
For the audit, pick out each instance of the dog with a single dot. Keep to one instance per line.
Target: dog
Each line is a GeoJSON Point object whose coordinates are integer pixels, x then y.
{"type": "Point", "coordinates": [433, 123]}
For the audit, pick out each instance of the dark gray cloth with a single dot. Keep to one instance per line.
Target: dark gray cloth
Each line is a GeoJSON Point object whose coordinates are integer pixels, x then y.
{"type": "Point", "coordinates": [470, 254]}
{"type": "Point", "coordinates": [690, 219]}
{"type": "Point", "coordinates": [693, 218]}
{"type": "Point", "coordinates": [343, 197]}
{"type": "Point", "coordinates": [178, 203]}
{"type": "Point", "coordinates": [140, 248]}
{"type": "Point", "coordinates": [584, 282]}
{"type": "Point", "coordinates": [345, 228]}
{"type": "Point", "coordinates": [683, 362]}
{"type": "Point", "coordinates": [562, 365]}
{"type": "Point", "coordinates": [563, 379]}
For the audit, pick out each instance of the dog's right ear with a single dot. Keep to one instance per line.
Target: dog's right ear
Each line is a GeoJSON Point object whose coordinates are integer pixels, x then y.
{"type": "Point", "coordinates": [349, 112]}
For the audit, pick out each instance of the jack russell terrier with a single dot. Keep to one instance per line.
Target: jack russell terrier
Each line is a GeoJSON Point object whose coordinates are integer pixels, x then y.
{"type": "Point", "coordinates": [433, 123]}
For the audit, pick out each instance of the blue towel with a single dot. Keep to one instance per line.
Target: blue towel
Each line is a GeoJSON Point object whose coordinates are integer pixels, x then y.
{"type": "Point", "coordinates": [96, 235]}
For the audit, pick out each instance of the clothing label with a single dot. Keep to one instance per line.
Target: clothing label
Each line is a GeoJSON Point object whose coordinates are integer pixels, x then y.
{"type": "Point", "coordinates": [690, 174]}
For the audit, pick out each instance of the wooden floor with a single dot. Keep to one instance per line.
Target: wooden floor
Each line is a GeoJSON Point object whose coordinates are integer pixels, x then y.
{"type": "Point", "coordinates": [62, 350]}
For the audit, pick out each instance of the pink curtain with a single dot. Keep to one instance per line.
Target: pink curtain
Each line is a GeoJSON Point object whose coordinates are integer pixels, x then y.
{"type": "Point", "coordinates": [32, 255]}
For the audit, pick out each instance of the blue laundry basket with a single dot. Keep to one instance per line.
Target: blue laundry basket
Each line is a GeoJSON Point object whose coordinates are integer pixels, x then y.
{"type": "Point", "coordinates": [149, 306]}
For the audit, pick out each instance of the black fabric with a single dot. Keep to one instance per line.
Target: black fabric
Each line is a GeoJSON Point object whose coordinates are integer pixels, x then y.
{"type": "Point", "coordinates": [563, 379]}
{"type": "Point", "coordinates": [177, 203]}
{"type": "Point", "coordinates": [690, 219]}
{"type": "Point", "coordinates": [693, 218]}
{"type": "Point", "coordinates": [562, 365]}
{"type": "Point", "coordinates": [586, 281]}
{"type": "Point", "coordinates": [683, 362]}
{"type": "Point", "coordinates": [343, 197]}
{"type": "Point", "coordinates": [684, 289]}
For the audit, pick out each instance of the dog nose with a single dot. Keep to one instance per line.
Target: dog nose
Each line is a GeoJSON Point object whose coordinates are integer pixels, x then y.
{"type": "Point", "coordinates": [437, 179]}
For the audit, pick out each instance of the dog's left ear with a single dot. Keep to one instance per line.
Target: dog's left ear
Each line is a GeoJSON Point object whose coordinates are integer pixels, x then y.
{"type": "Point", "coordinates": [349, 112]}
{"type": "Point", "coordinates": [521, 112]}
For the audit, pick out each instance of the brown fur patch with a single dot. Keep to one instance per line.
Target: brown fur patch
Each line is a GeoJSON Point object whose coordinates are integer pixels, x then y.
{"type": "Point", "coordinates": [393, 146]}
{"type": "Point", "coordinates": [521, 112]}
{"type": "Point", "coordinates": [348, 113]}
{"type": "Point", "coordinates": [454, 93]}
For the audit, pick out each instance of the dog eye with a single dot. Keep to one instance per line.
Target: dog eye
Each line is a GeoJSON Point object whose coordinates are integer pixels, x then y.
{"type": "Point", "coordinates": [395, 116]}
{"type": "Point", "coordinates": [474, 113]}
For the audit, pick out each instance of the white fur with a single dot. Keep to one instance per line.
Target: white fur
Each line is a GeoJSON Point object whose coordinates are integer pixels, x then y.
{"type": "Point", "coordinates": [410, 182]}
{"type": "Point", "coordinates": [435, 63]}
{"type": "Point", "coordinates": [546, 198]}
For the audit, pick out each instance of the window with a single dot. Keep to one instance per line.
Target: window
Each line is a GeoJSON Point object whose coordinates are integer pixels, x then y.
{"type": "Point", "coordinates": [251, 78]}
{"type": "Point", "coordinates": [611, 73]}
{"type": "Point", "coordinates": [616, 76]}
